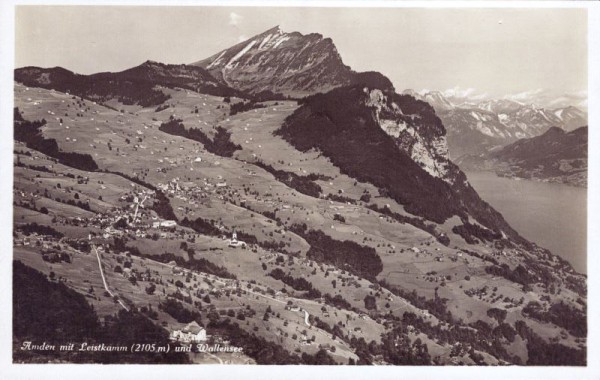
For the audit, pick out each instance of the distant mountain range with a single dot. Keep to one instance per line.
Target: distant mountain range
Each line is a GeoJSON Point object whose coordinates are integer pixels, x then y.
{"type": "Point", "coordinates": [478, 127]}
{"type": "Point", "coordinates": [555, 156]}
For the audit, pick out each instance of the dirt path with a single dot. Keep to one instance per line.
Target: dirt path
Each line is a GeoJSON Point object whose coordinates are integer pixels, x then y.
{"type": "Point", "coordinates": [104, 279]}
{"type": "Point", "coordinates": [306, 317]}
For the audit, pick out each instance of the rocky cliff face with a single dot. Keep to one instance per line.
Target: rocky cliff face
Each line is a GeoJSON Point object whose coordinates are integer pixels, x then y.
{"type": "Point", "coordinates": [288, 63]}
{"type": "Point", "coordinates": [426, 145]}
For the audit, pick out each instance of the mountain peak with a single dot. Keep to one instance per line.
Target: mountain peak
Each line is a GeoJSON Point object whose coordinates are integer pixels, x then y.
{"type": "Point", "coordinates": [276, 29]}
{"type": "Point", "coordinates": [572, 108]}
{"type": "Point", "coordinates": [150, 64]}
{"type": "Point", "coordinates": [280, 62]}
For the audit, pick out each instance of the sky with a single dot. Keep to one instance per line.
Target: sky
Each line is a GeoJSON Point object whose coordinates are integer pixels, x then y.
{"type": "Point", "coordinates": [480, 53]}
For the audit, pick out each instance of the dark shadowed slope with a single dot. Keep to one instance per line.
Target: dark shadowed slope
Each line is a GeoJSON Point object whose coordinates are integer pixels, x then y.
{"type": "Point", "coordinates": [132, 86]}
{"type": "Point", "coordinates": [395, 142]}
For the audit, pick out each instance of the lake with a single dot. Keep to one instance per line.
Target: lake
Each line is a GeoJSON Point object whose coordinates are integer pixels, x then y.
{"type": "Point", "coordinates": [554, 216]}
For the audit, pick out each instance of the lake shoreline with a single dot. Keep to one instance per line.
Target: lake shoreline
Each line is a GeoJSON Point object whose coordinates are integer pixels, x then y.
{"type": "Point", "coordinates": [552, 215]}
{"type": "Point", "coordinates": [581, 184]}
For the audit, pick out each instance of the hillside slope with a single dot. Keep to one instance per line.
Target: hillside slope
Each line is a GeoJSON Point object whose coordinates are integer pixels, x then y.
{"type": "Point", "coordinates": [342, 232]}
{"type": "Point", "coordinates": [137, 85]}
{"type": "Point", "coordinates": [395, 142]}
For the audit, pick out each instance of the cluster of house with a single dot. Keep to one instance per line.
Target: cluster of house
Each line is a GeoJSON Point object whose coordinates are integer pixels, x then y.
{"type": "Point", "coordinates": [45, 242]}
{"type": "Point", "coordinates": [128, 273]}
{"type": "Point", "coordinates": [191, 333]}
{"type": "Point", "coordinates": [136, 213]}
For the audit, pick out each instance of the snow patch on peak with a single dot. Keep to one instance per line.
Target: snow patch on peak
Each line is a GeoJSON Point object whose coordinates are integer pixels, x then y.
{"type": "Point", "coordinates": [503, 117]}
{"type": "Point", "coordinates": [240, 54]}
{"type": "Point", "coordinates": [281, 40]}
{"type": "Point", "coordinates": [484, 129]}
{"type": "Point", "coordinates": [216, 61]}
{"type": "Point", "coordinates": [475, 116]}
{"type": "Point", "coordinates": [559, 113]}
{"type": "Point", "coordinates": [264, 41]}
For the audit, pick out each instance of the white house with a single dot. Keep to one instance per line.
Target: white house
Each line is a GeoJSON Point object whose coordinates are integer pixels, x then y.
{"type": "Point", "coordinates": [192, 333]}
{"type": "Point", "coordinates": [164, 223]}
{"type": "Point", "coordinates": [234, 242]}
{"type": "Point", "coordinates": [168, 223]}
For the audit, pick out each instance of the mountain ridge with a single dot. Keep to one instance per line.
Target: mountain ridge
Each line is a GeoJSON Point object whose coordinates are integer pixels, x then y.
{"type": "Point", "coordinates": [292, 64]}
{"type": "Point", "coordinates": [477, 127]}
{"type": "Point", "coordinates": [555, 156]}
{"type": "Point", "coordinates": [135, 85]}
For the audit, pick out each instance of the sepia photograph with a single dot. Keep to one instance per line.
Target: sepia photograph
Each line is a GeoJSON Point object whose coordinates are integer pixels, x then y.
{"type": "Point", "coordinates": [312, 185]}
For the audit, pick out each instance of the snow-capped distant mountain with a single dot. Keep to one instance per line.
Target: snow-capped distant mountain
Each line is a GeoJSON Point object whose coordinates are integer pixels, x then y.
{"type": "Point", "coordinates": [499, 105]}
{"type": "Point", "coordinates": [477, 127]}
{"type": "Point", "coordinates": [435, 98]}
{"type": "Point", "coordinates": [571, 117]}
{"type": "Point", "coordinates": [276, 61]}
{"type": "Point", "coordinates": [438, 101]}
{"type": "Point", "coordinates": [551, 99]}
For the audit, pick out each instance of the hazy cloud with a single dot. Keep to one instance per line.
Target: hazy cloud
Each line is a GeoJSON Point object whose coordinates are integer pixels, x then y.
{"type": "Point", "coordinates": [464, 94]}
{"type": "Point", "coordinates": [234, 18]}
{"type": "Point", "coordinates": [459, 92]}
{"type": "Point", "coordinates": [242, 38]}
{"type": "Point", "coordinates": [540, 97]}
{"type": "Point", "coordinates": [551, 98]}
{"type": "Point", "coordinates": [525, 95]}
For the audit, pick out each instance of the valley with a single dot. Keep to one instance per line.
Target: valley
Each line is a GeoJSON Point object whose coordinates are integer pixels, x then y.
{"type": "Point", "coordinates": [328, 229]}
